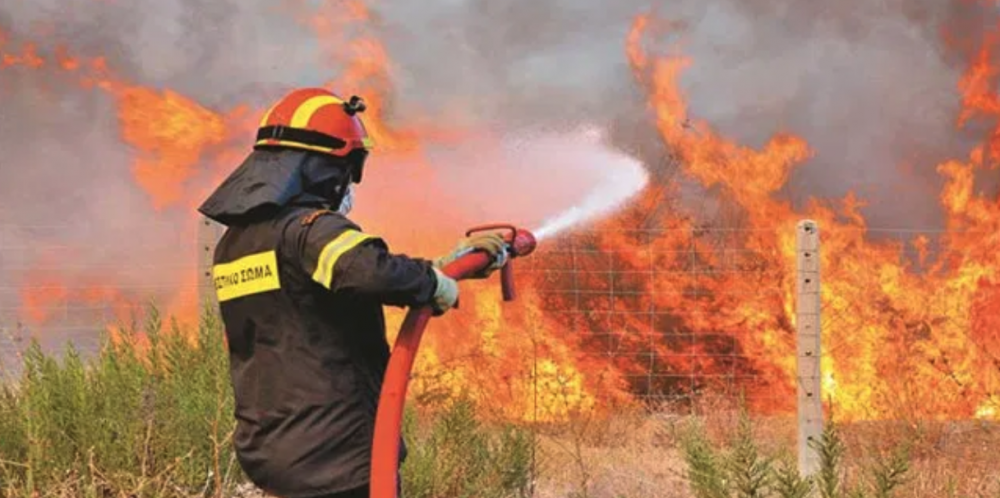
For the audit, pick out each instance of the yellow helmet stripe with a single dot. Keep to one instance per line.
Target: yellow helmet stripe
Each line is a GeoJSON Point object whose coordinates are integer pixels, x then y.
{"type": "Point", "coordinates": [267, 115]}
{"type": "Point", "coordinates": [305, 111]}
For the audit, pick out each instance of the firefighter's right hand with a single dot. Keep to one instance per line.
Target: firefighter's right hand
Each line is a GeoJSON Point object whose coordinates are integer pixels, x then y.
{"type": "Point", "coordinates": [446, 294]}
{"type": "Point", "coordinates": [491, 243]}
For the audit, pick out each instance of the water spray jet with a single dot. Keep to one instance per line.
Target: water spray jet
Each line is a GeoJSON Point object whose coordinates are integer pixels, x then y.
{"type": "Point", "coordinates": [622, 177]}
{"type": "Point", "coordinates": [623, 182]}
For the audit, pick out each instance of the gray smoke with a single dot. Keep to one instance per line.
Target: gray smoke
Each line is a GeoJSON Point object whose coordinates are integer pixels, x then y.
{"type": "Point", "coordinates": [71, 215]}
{"type": "Point", "coordinates": [870, 85]}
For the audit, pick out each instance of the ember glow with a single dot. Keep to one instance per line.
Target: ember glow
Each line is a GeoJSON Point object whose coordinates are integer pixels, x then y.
{"type": "Point", "coordinates": [903, 335]}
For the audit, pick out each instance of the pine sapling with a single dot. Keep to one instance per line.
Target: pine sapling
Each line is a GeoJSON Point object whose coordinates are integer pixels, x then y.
{"type": "Point", "coordinates": [788, 483]}
{"type": "Point", "coordinates": [830, 448]}
{"type": "Point", "coordinates": [749, 471]}
{"type": "Point", "coordinates": [889, 474]}
{"type": "Point", "coordinates": [706, 471]}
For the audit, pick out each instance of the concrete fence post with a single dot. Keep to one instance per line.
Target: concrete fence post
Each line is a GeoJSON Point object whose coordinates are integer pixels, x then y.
{"type": "Point", "coordinates": [209, 233]}
{"type": "Point", "coordinates": [808, 333]}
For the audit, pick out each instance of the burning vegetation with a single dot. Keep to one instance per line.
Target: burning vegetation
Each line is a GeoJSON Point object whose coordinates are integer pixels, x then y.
{"type": "Point", "coordinates": [648, 302]}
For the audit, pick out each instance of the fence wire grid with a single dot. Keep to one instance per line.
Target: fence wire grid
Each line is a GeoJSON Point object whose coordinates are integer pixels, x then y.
{"type": "Point", "coordinates": [677, 314]}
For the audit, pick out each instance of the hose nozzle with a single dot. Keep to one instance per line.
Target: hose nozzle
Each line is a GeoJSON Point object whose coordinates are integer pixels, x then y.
{"type": "Point", "coordinates": [520, 242]}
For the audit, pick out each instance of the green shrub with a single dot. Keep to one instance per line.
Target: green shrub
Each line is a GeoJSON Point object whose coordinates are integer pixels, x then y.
{"type": "Point", "coordinates": [151, 423]}
{"type": "Point", "coordinates": [739, 470]}
{"type": "Point", "coordinates": [153, 419]}
{"type": "Point", "coordinates": [457, 457]}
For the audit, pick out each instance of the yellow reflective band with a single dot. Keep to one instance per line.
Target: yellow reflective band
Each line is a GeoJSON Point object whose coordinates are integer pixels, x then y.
{"type": "Point", "coordinates": [332, 252]}
{"type": "Point", "coordinates": [248, 275]}
{"type": "Point", "coordinates": [305, 111]}
{"type": "Point", "coordinates": [267, 115]}
{"type": "Point", "coordinates": [298, 145]}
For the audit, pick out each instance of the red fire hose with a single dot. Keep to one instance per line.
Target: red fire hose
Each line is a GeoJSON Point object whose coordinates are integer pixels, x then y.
{"type": "Point", "coordinates": [389, 417]}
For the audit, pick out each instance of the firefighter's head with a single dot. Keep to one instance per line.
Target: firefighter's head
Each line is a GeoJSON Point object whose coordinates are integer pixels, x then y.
{"type": "Point", "coordinates": [329, 127]}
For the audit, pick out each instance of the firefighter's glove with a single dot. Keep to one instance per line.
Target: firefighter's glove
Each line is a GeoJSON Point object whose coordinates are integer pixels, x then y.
{"type": "Point", "coordinates": [491, 243]}
{"type": "Point", "coordinates": [446, 294]}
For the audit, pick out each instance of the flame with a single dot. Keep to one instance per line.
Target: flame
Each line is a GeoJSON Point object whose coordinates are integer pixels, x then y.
{"type": "Point", "coordinates": [902, 335]}
{"type": "Point", "coordinates": [515, 358]}
{"type": "Point", "coordinates": [170, 132]}
{"type": "Point", "coordinates": [364, 65]}
{"type": "Point", "coordinates": [48, 300]}
{"type": "Point", "coordinates": [175, 139]}
{"type": "Point", "coordinates": [989, 409]}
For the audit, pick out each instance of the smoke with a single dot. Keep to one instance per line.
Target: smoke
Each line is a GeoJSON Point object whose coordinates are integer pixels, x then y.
{"type": "Point", "coordinates": [870, 85]}
{"type": "Point", "coordinates": [73, 219]}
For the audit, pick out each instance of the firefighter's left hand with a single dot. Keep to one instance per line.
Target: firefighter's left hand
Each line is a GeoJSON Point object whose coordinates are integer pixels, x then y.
{"type": "Point", "coordinates": [492, 243]}
{"type": "Point", "coordinates": [446, 293]}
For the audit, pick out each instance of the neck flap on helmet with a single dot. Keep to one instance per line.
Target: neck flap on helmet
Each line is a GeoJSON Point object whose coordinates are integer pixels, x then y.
{"type": "Point", "coordinates": [269, 180]}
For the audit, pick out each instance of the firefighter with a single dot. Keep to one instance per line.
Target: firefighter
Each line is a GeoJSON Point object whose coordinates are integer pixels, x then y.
{"type": "Point", "coordinates": [301, 289]}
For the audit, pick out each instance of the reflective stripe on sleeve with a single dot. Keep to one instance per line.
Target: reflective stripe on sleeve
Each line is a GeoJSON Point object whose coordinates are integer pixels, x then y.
{"type": "Point", "coordinates": [333, 251]}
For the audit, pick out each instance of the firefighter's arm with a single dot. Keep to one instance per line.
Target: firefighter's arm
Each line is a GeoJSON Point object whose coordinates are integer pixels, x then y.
{"type": "Point", "coordinates": [345, 260]}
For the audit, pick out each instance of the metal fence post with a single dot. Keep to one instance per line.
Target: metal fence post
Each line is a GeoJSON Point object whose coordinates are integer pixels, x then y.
{"type": "Point", "coordinates": [208, 236]}
{"type": "Point", "coordinates": [808, 334]}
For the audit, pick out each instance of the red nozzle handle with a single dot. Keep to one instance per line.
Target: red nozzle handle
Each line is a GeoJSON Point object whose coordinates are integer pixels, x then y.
{"type": "Point", "coordinates": [492, 227]}
{"type": "Point", "coordinates": [507, 281]}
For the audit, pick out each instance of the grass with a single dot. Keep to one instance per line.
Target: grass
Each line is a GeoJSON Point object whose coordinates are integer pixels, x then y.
{"type": "Point", "coordinates": [719, 450]}
{"type": "Point", "coordinates": [456, 456]}
{"type": "Point", "coordinates": [151, 416]}
{"type": "Point", "coordinates": [739, 469]}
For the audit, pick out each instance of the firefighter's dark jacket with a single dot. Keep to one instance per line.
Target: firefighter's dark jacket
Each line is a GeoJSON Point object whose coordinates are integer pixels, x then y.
{"type": "Point", "coordinates": [301, 296]}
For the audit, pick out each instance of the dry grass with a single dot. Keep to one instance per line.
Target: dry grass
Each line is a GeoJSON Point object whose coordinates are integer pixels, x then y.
{"type": "Point", "coordinates": [639, 455]}
{"type": "Point", "coordinates": [949, 459]}
{"type": "Point", "coordinates": [124, 427]}
{"type": "Point", "coordinates": [631, 455]}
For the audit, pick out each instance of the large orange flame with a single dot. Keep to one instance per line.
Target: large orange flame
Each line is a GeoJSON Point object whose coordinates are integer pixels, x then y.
{"type": "Point", "coordinates": [171, 132]}
{"type": "Point", "coordinates": [902, 335]}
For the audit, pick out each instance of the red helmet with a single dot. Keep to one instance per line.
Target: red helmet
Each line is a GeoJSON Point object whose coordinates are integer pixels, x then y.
{"type": "Point", "coordinates": [318, 120]}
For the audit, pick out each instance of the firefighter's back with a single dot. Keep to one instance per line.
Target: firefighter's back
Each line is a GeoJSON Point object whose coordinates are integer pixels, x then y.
{"type": "Point", "coordinates": [306, 372]}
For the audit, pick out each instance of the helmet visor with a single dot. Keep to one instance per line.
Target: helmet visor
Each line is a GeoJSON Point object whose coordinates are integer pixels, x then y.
{"type": "Point", "coordinates": [356, 162]}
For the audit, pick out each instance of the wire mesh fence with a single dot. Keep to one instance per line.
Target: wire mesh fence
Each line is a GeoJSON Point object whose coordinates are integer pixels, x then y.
{"type": "Point", "coordinates": [63, 284]}
{"type": "Point", "coordinates": [669, 315]}
{"type": "Point", "coordinates": [654, 306]}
